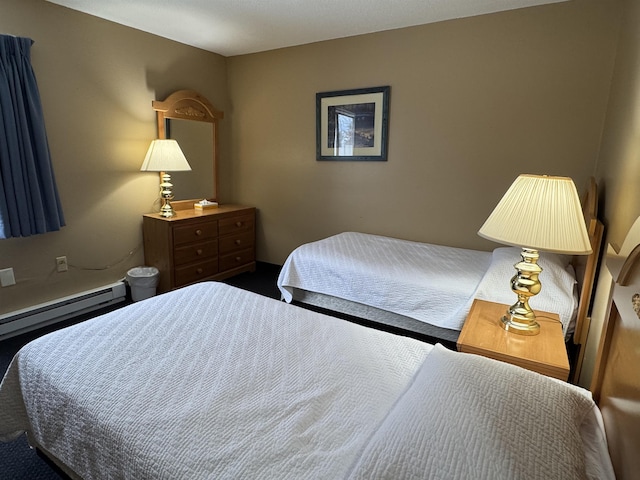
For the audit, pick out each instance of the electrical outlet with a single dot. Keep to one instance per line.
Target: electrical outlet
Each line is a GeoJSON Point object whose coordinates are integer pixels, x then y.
{"type": "Point", "coordinates": [6, 277]}
{"type": "Point", "coordinates": [61, 264]}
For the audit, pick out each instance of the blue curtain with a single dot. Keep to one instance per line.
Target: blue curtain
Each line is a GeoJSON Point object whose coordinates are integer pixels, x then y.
{"type": "Point", "coordinates": [29, 201]}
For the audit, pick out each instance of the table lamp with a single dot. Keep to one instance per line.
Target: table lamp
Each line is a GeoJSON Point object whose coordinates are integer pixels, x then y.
{"type": "Point", "coordinates": [165, 156]}
{"type": "Point", "coordinates": [538, 212]}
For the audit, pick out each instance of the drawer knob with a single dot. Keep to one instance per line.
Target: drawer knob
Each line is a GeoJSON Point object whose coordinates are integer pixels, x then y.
{"type": "Point", "coordinates": [238, 242]}
{"type": "Point", "coordinates": [198, 232]}
{"type": "Point", "coordinates": [238, 259]}
{"type": "Point", "coordinates": [199, 251]}
{"type": "Point", "coordinates": [199, 271]}
{"type": "Point", "coordinates": [238, 224]}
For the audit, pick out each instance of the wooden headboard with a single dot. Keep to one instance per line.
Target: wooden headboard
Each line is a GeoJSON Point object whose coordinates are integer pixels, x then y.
{"type": "Point", "coordinates": [616, 379]}
{"type": "Point", "coordinates": [586, 269]}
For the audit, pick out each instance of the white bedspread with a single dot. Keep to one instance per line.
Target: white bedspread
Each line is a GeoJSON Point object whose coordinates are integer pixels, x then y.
{"type": "Point", "coordinates": [207, 382]}
{"type": "Point", "coordinates": [431, 283]}
{"type": "Point", "coordinates": [468, 417]}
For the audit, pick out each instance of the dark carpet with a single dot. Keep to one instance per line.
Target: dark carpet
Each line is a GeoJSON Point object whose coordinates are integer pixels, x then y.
{"type": "Point", "coordinates": [17, 460]}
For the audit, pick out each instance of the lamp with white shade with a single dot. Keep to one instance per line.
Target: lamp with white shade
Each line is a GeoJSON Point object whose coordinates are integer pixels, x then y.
{"type": "Point", "coordinates": [165, 155]}
{"type": "Point", "coordinates": [538, 212]}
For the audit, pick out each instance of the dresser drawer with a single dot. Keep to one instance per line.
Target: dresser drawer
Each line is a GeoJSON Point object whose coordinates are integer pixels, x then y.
{"type": "Point", "coordinates": [232, 243]}
{"type": "Point", "coordinates": [240, 223]}
{"type": "Point", "coordinates": [194, 252]}
{"type": "Point", "coordinates": [236, 259]}
{"type": "Point", "coordinates": [195, 232]}
{"type": "Point", "coordinates": [195, 272]}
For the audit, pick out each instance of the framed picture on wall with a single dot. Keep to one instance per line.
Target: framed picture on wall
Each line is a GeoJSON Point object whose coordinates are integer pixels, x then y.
{"type": "Point", "coordinates": [352, 124]}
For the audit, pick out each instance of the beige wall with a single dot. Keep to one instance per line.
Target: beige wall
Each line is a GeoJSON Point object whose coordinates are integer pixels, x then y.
{"type": "Point", "coordinates": [97, 80]}
{"type": "Point", "coordinates": [619, 163]}
{"type": "Point", "coordinates": [474, 103]}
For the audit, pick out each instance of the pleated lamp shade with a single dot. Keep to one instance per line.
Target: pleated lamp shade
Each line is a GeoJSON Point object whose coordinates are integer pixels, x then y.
{"type": "Point", "coordinates": [542, 213]}
{"type": "Point", "coordinates": [165, 155]}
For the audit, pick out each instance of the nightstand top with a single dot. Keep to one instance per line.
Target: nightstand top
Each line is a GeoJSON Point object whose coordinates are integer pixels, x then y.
{"type": "Point", "coordinates": [543, 353]}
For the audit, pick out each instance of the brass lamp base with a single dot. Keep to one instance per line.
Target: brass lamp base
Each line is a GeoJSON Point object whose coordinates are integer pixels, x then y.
{"type": "Point", "coordinates": [514, 326]}
{"type": "Point", "coordinates": [520, 318]}
{"type": "Point", "coordinates": [167, 211]}
{"type": "Point", "coordinates": [166, 194]}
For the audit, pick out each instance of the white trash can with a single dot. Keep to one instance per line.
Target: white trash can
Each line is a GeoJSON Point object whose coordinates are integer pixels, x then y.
{"type": "Point", "coordinates": [143, 282]}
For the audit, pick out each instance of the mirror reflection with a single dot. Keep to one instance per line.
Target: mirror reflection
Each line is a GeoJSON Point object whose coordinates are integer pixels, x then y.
{"type": "Point", "coordinates": [196, 141]}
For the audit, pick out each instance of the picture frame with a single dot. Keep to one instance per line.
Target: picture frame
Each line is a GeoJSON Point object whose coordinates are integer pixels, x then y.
{"type": "Point", "coordinates": [353, 125]}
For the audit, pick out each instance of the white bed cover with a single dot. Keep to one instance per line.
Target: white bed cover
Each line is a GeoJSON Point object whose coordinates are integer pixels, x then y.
{"type": "Point", "coordinates": [211, 382]}
{"type": "Point", "coordinates": [207, 382]}
{"type": "Point", "coordinates": [431, 283]}
{"type": "Point", "coordinates": [463, 417]}
{"type": "Point", "coordinates": [418, 280]}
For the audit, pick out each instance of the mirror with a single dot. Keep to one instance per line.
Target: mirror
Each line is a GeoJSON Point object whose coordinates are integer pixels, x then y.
{"type": "Point", "coordinates": [189, 118]}
{"type": "Point", "coordinates": [196, 141]}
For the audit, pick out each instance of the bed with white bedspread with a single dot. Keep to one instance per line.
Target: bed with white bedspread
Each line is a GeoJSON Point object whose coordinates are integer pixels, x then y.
{"type": "Point", "coordinates": [212, 382]}
{"type": "Point", "coordinates": [433, 284]}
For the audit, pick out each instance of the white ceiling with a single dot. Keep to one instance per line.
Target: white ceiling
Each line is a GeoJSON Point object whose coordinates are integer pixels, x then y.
{"type": "Point", "coordinates": [236, 27]}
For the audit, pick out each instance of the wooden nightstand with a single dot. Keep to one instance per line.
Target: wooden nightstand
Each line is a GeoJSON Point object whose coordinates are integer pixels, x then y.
{"type": "Point", "coordinates": [543, 353]}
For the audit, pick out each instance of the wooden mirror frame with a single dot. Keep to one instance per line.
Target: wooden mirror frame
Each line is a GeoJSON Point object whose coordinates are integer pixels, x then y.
{"type": "Point", "coordinates": [189, 105]}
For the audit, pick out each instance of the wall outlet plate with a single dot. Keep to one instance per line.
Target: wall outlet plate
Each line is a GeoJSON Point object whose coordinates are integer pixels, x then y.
{"type": "Point", "coordinates": [61, 264]}
{"type": "Point", "coordinates": [6, 277]}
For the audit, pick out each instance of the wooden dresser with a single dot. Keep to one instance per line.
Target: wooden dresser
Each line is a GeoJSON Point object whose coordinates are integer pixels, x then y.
{"type": "Point", "coordinates": [194, 246]}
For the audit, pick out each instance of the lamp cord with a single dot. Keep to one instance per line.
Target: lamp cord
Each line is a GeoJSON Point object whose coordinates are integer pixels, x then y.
{"type": "Point", "coordinates": [105, 267]}
{"type": "Point", "coordinates": [549, 318]}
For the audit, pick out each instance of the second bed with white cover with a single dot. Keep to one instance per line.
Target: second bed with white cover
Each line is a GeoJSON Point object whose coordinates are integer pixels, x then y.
{"type": "Point", "coordinates": [432, 284]}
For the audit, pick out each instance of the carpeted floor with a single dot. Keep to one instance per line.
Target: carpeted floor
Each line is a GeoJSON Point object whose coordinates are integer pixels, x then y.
{"type": "Point", "coordinates": [17, 460]}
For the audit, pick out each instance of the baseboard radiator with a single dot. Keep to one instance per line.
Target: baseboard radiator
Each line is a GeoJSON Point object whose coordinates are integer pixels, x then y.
{"type": "Point", "coordinates": [22, 321]}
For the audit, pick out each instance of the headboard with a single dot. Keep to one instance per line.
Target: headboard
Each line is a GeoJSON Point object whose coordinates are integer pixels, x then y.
{"type": "Point", "coordinates": [586, 268]}
{"type": "Point", "coordinates": [616, 379]}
